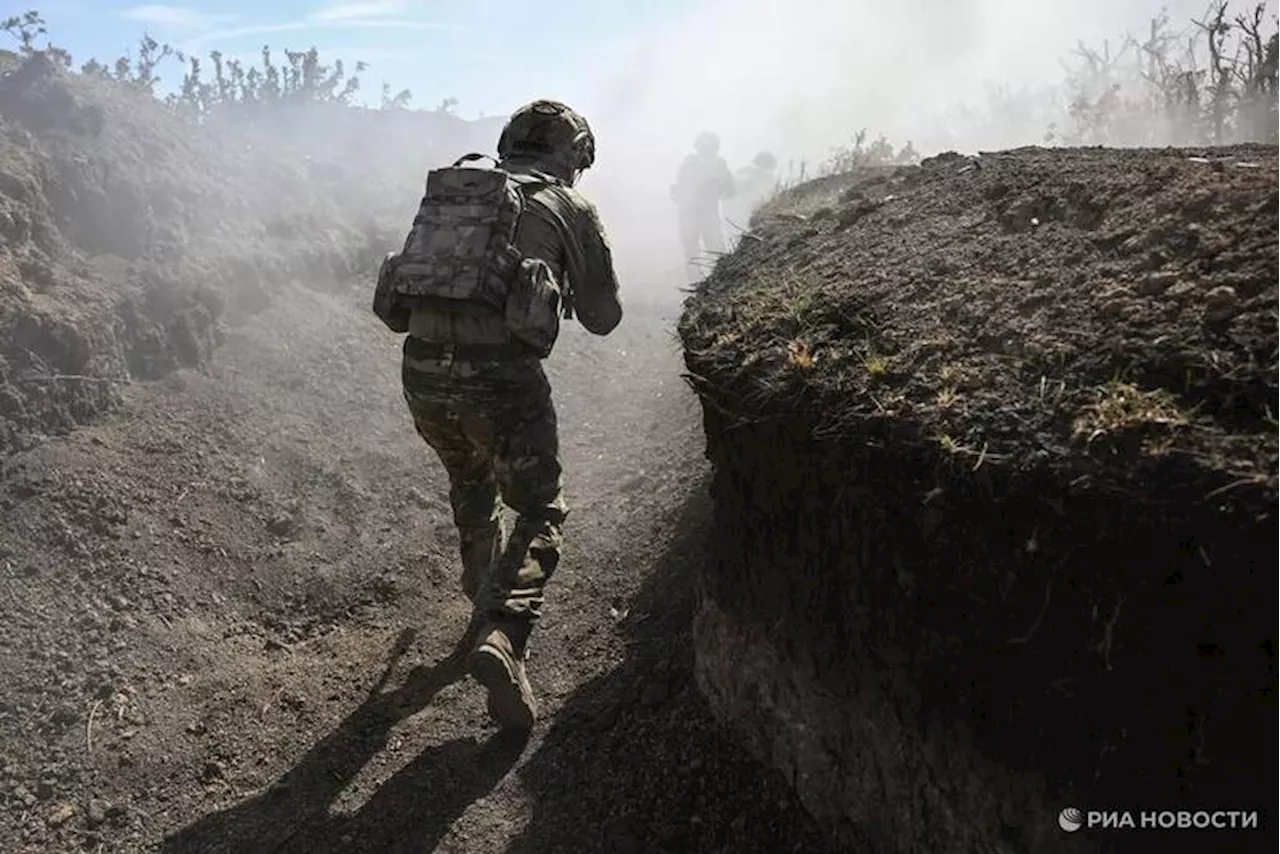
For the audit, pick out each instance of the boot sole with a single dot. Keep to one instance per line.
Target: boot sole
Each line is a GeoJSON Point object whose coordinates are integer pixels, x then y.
{"type": "Point", "coordinates": [508, 706]}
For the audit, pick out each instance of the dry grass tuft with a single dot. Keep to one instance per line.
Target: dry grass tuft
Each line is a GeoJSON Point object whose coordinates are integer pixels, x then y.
{"type": "Point", "coordinates": [876, 364]}
{"type": "Point", "coordinates": [1122, 407]}
{"type": "Point", "coordinates": [799, 355]}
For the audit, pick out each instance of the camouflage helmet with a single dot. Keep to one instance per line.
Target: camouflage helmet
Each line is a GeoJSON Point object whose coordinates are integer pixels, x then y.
{"type": "Point", "coordinates": [550, 131]}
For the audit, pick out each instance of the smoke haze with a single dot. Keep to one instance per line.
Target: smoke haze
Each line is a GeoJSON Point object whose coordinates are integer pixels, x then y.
{"type": "Point", "coordinates": [798, 78]}
{"type": "Point", "coordinates": [802, 77]}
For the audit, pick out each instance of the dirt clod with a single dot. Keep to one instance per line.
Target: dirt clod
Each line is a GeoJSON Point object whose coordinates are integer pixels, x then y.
{"type": "Point", "coordinates": [61, 814]}
{"type": "Point", "coordinates": [96, 813]}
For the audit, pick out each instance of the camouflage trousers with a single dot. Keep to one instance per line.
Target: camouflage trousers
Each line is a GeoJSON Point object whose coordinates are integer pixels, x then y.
{"type": "Point", "coordinates": [493, 425]}
{"type": "Point", "coordinates": [701, 238]}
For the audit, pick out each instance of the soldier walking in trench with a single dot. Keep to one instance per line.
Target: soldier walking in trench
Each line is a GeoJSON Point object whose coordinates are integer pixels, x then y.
{"type": "Point", "coordinates": [495, 258]}
{"type": "Point", "coordinates": [702, 182]}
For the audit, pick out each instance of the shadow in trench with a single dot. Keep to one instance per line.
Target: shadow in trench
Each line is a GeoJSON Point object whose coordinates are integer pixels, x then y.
{"type": "Point", "coordinates": [410, 812]}
{"type": "Point", "coordinates": [635, 762]}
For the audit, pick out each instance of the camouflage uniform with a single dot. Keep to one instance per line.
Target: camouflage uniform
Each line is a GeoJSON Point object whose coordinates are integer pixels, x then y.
{"type": "Point", "coordinates": [492, 422]}
{"type": "Point", "coordinates": [494, 428]}
{"type": "Point", "coordinates": [472, 369]}
{"type": "Point", "coordinates": [701, 182]}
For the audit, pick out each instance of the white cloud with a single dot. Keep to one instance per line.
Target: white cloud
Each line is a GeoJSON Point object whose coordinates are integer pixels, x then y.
{"type": "Point", "coordinates": [197, 42]}
{"type": "Point", "coordinates": [176, 17]}
{"type": "Point", "coordinates": [359, 11]}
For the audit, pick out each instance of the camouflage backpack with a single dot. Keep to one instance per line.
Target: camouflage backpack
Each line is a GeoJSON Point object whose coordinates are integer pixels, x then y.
{"type": "Point", "coordinates": [460, 256]}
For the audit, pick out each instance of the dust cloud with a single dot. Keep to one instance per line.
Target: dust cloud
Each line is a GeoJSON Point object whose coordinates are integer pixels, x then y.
{"type": "Point", "coordinates": [797, 78]}
{"type": "Point", "coordinates": [800, 78]}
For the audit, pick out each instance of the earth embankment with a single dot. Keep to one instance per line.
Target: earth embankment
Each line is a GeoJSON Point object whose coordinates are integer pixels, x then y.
{"type": "Point", "coordinates": [128, 233]}
{"type": "Point", "coordinates": [994, 449]}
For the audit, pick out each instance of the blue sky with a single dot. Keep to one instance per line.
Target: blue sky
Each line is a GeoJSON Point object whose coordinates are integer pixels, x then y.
{"type": "Point", "coordinates": [485, 53]}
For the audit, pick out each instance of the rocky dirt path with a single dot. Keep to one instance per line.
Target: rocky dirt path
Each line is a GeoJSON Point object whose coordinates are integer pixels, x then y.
{"type": "Point", "coordinates": [229, 620]}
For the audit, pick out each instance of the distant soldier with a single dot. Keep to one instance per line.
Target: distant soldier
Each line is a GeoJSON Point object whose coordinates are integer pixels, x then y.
{"type": "Point", "coordinates": [495, 258]}
{"type": "Point", "coordinates": [756, 182]}
{"type": "Point", "coordinates": [701, 183]}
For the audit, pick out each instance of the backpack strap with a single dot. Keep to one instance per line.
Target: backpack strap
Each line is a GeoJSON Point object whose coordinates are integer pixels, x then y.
{"type": "Point", "coordinates": [524, 181]}
{"type": "Point", "coordinates": [472, 157]}
{"type": "Point", "coordinates": [521, 179]}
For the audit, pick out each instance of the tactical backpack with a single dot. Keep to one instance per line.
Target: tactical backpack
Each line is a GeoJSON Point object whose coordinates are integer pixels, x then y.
{"type": "Point", "coordinates": [460, 257]}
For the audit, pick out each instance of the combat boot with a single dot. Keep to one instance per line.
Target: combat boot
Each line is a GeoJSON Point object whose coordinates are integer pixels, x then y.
{"type": "Point", "coordinates": [497, 663]}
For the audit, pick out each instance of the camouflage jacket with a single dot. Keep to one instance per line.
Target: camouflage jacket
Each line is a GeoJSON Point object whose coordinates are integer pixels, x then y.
{"type": "Point", "coordinates": [701, 183]}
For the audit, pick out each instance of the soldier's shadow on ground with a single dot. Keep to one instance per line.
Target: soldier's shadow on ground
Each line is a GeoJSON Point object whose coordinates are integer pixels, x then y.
{"type": "Point", "coordinates": [635, 763]}
{"type": "Point", "coordinates": [411, 811]}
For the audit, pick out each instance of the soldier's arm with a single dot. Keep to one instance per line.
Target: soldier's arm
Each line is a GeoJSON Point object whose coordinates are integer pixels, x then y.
{"type": "Point", "coordinates": [591, 273]}
{"type": "Point", "coordinates": [727, 185]}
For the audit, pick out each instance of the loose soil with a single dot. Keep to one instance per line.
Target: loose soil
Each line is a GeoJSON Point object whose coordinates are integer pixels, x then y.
{"type": "Point", "coordinates": [231, 615]}
{"type": "Point", "coordinates": [229, 607]}
{"type": "Point", "coordinates": [1032, 303]}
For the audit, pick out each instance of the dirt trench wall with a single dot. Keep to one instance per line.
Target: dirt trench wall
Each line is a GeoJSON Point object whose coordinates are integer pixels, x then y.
{"type": "Point", "coordinates": [936, 675]}
{"type": "Point", "coordinates": [129, 236]}
{"type": "Point", "coordinates": [946, 603]}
